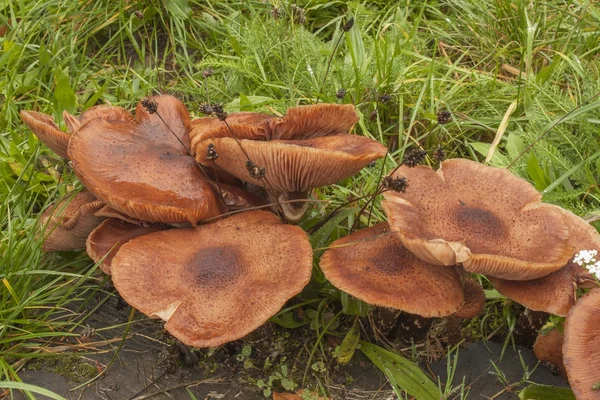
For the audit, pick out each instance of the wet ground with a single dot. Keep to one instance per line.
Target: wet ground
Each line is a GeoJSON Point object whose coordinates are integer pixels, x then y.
{"type": "Point", "coordinates": [150, 365]}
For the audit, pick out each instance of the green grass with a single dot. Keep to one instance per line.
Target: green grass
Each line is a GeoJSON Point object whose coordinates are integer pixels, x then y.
{"type": "Point", "coordinates": [473, 58]}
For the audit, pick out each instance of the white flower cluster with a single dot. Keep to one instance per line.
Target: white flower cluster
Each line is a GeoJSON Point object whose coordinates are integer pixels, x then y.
{"type": "Point", "coordinates": [587, 259]}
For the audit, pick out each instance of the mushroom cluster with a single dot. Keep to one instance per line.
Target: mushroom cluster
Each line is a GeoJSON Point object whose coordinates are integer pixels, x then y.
{"type": "Point", "coordinates": [146, 213]}
{"type": "Point", "coordinates": [470, 218]}
{"type": "Point", "coordinates": [156, 215]}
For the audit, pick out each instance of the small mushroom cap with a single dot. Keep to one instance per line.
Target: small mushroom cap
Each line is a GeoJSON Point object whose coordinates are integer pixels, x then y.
{"type": "Point", "coordinates": [548, 348]}
{"type": "Point", "coordinates": [555, 293]}
{"type": "Point", "coordinates": [483, 217]}
{"type": "Point", "coordinates": [229, 278]}
{"type": "Point", "coordinates": [67, 224]}
{"type": "Point", "coordinates": [306, 148]}
{"type": "Point", "coordinates": [106, 240]}
{"type": "Point", "coordinates": [47, 131]}
{"type": "Point", "coordinates": [581, 344]}
{"type": "Point", "coordinates": [474, 300]}
{"type": "Point", "coordinates": [141, 169]}
{"type": "Point", "coordinates": [374, 266]}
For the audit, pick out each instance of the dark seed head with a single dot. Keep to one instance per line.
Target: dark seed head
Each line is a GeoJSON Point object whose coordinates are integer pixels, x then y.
{"type": "Point", "coordinates": [444, 117]}
{"type": "Point", "coordinates": [207, 73]}
{"type": "Point", "coordinates": [206, 109]}
{"type": "Point", "coordinates": [150, 105]}
{"type": "Point", "coordinates": [373, 115]}
{"type": "Point", "coordinates": [211, 152]}
{"type": "Point", "coordinates": [217, 108]}
{"type": "Point", "coordinates": [341, 93]}
{"type": "Point", "coordinates": [396, 184]}
{"type": "Point", "coordinates": [385, 98]}
{"type": "Point", "coordinates": [348, 25]}
{"type": "Point", "coordinates": [275, 13]}
{"type": "Point", "coordinates": [255, 171]}
{"type": "Point", "coordinates": [439, 154]}
{"type": "Point", "coordinates": [414, 157]}
{"type": "Point", "coordinates": [299, 14]}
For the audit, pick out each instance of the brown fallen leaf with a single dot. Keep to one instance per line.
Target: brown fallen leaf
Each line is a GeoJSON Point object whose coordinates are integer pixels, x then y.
{"type": "Point", "coordinates": [297, 396]}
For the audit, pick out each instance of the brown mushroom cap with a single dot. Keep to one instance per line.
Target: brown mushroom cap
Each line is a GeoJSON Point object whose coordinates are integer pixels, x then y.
{"type": "Point", "coordinates": [483, 217]}
{"type": "Point", "coordinates": [548, 348]}
{"type": "Point", "coordinates": [474, 300]}
{"type": "Point", "coordinates": [374, 266]}
{"type": "Point", "coordinates": [580, 347]}
{"type": "Point", "coordinates": [226, 281]}
{"type": "Point", "coordinates": [47, 131]}
{"type": "Point", "coordinates": [555, 293]}
{"type": "Point", "coordinates": [67, 224]}
{"type": "Point", "coordinates": [305, 149]}
{"type": "Point", "coordinates": [141, 170]}
{"type": "Point", "coordinates": [106, 240]}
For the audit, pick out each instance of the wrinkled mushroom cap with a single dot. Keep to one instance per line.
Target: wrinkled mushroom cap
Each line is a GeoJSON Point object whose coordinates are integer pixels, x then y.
{"type": "Point", "coordinates": [305, 149]}
{"type": "Point", "coordinates": [555, 293]}
{"type": "Point", "coordinates": [226, 281]}
{"type": "Point", "coordinates": [106, 240]}
{"type": "Point", "coordinates": [483, 217]}
{"type": "Point", "coordinates": [548, 348]}
{"type": "Point", "coordinates": [47, 131]}
{"type": "Point", "coordinates": [374, 266]}
{"type": "Point", "coordinates": [474, 300]}
{"type": "Point", "coordinates": [67, 224]}
{"type": "Point", "coordinates": [109, 113]}
{"type": "Point", "coordinates": [580, 347]}
{"type": "Point", "coordinates": [141, 169]}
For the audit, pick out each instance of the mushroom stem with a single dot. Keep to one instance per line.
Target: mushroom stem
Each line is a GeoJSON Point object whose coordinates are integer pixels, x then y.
{"type": "Point", "coordinates": [293, 211]}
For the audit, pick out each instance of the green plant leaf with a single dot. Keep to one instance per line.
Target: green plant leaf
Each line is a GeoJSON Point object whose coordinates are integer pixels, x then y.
{"type": "Point", "coordinates": [64, 95]}
{"type": "Point", "coordinates": [179, 9]}
{"type": "Point", "coordinates": [353, 306]}
{"type": "Point", "coordinates": [402, 374]}
{"type": "Point", "coordinates": [349, 344]}
{"type": "Point", "coordinates": [542, 392]}
{"type": "Point", "coordinates": [30, 388]}
{"type": "Point", "coordinates": [321, 236]}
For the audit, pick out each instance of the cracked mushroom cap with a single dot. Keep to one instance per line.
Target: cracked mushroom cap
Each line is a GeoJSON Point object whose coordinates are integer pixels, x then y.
{"type": "Point", "coordinates": [106, 240]}
{"type": "Point", "coordinates": [548, 349]}
{"type": "Point", "coordinates": [309, 147]}
{"type": "Point", "coordinates": [483, 217]}
{"type": "Point", "coordinates": [374, 266]}
{"type": "Point", "coordinates": [474, 300]}
{"type": "Point", "coordinates": [580, 347]}
{"type": "Point", "coordinates": [66, 225]}
{"type": "Point", "coordinates": [47, 131]}
{"type": "Point", "coordinates": [229, 278]}
{"type": "Point", "coordinates": [555, 293]}
{"type": "Point", "coordinates": [140, 169]}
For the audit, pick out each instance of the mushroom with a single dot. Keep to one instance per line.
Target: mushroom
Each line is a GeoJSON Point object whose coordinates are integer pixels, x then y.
{"type": "Point", "coordinates": [548, 349]}
{"type": "Point", "coordinates": [307, 148]}
{"type": "Point", "coordinates": [374, 266]}
{"type": "Point", "coordinates": [104, 242]}
{"type": "Point", "coordinates": [555, 293]}
{"type": "Point", "coordinates": [49, 133]}
{"type": "Point", "coordinates": [141, 169]}
{"type": "Point", "coordinates": [67, 224]}
{"type": "Point", "coordinates": [229, 278]}
{"type": "Point", "coordinates": [474, 300]}
{"type": "Point", "coordinates": [580, 347]}
{"type": "Point", "coordinates": [483, 217]}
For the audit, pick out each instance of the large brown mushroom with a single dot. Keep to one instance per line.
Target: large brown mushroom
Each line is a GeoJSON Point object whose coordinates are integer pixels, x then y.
{"type": "Point", "coordinates": [143, 168]}
{"type": "Point", "coordinates": [374, 266]}
{"type": "Point", "coordinates": [227, 279]}
{"type": "Point", "coordinates": [555, 293]}
{"type": "Point", "coordinates": [483, 217]}
{"type": "Point", "coordinates": [67, 224]}
{"type": "Point", "coordinates": [307, 148]}
{"type": "Point", "coordinates": [580, 347]}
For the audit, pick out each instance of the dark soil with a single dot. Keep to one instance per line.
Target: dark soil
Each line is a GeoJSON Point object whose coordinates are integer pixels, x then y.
{"type": "Point", "coordinates": [152, 365]}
